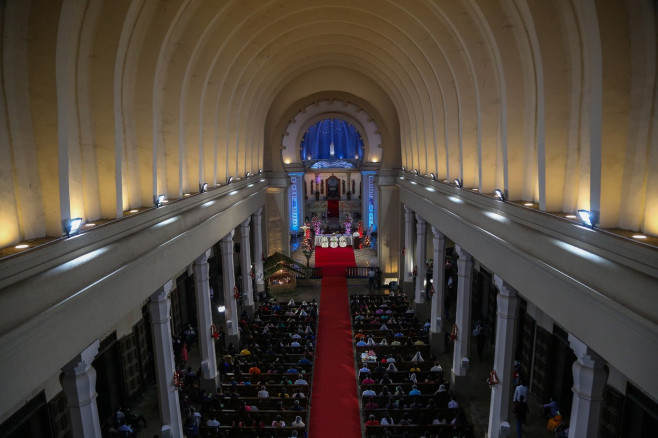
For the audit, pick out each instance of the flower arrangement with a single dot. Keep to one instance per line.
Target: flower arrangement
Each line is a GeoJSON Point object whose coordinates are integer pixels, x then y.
{"type": "Point", "coordinates": [348, 223]}
{"type": "Point", "coordinates": [493, 379]}
{"type": "Point", "coordinates": [178, 381]}
{"type": "Point", "coordinates": [315, 221]}
{"type": "Point", "coordinates": [453, 332]}
{"type": "Point", "coordinates": [214, 332]}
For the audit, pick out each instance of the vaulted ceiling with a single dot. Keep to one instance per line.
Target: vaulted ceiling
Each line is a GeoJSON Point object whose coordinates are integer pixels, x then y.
{"type": "Point", "coordinates": [106, 103]}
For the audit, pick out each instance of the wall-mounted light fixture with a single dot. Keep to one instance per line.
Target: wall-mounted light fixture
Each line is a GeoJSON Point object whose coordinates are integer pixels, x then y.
{"type": "Point", "coordinates": [500, 195]}
{"type": "Point", "coordinates": [229, 180]}
{"type": "Point", "coordinates": [72, 226]}
{"type": "Point", "coordinates": [459, 183]}
{"type": "Point", "coordinates": [158, 200]}
{"type": "Point", "coordinates": [203, 188]}
{"type": "Point", "coordinates": [433, 176]}
{"type": "Point", "coordinates": [588, 218]}
{"type": "Point", "coordinates": [404, 169]}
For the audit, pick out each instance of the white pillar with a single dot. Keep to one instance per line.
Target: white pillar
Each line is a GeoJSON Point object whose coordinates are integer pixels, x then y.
{"type": "Point", "coordinates": [503, 357]}
{"type": "Point", "coordinates": [160, 308]}
{"type": "Point", "coordinates": [228, 273]}
{"type": "Point", "coordinates": [245, 265]}
{"type": "Point", "coordinates": [437, 336]}
{"type": "Point", "coordinates": [258, 250]}
{"type": "Point", "coordinates": [78, 381]}
{"type": "Point", "coordinates": [204, 316]}
{"type": "Point", "coordinates": [408, 246]}
{"type": "Point", "coordinates": [460, 361]}
{"type": "Point", "coordinates": [588, 383]}
{"type": "Point", "coordinates": [421, 250]}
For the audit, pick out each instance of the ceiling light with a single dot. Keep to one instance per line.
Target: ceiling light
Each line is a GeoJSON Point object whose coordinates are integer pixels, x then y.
{"type": "Point", "coordinates": [22, 246]}
{"type": "Point", "coordinates": [459, 183]}
{"type": "Point", "coordinates": [158, 200]}
{"type": "Point", "coordinates": [500, 195]}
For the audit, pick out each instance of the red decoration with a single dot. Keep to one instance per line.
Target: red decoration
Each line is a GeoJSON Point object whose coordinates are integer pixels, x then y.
{"type": "Point", "coordinates": [453, 332]}
{"type": "Point", "coordinates": [493, 379]}
{"type": "Point", "coordinates": [404, 251]}
{"type": "Point", "coordinates": [178, 381]}
{"type": "Point", "coordinates": [213, 332]}
{"type": "Point", "coordinates": [236, 292]}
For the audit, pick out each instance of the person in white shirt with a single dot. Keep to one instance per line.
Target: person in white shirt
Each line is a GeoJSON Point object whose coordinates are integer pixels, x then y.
{"type": "Point", "coordinates": [452, 404]}
{"type": "Point", "coordinates": [213, 423]}
{"type": "Point", "coordinates": [263, 392]}
{"type": "Point", "coordinates": [436, 367]}
{"type": "Point", "coordinates": [521, 390]}
{"type": "Point", "coordinates": [300, 380]}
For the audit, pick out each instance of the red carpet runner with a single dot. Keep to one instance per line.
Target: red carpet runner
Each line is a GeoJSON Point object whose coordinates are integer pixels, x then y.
{"type": "Point", "coordinates": [334, 404]}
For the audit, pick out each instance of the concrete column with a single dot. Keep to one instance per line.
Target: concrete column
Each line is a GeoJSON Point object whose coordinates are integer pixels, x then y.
{"type": "Point", "coordinates": [78, 381]}
{"type": "Point", "coordinates": [588, 383]}
{"type": "Point", "coordinates": [421, 252]}
{"type": "Point", "coordinates": [408, 246]}
{"type": "Point", "coordinates": [258, 250]}
{"type": "Point", "coordinates": [245, 266]}
{"type": "Point", "coordinates": [460, 361]}
{"type": "Point", "coordinates": [160, 308]}
{"type": "Point", "coordinates": [209, 375]}
{"type": "Point", "coordinates": [232, 333]}
{"type": "Point", "coordinates": [503, 357]}
{"type": "Point", "coordinates": [437, 334]}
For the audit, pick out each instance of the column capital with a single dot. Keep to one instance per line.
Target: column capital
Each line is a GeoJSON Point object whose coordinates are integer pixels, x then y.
{"type": "Point", "coordinates": [246, 222]}
{"type": "Point", "coordinates": [584, 354]}
{"type": "Point", "coordinates": [438, 234]}
{"type": "Point", "coordinates": [420, 220]}
{"type": "Point", "coordinates": [228, 237]}
{"type": "Point", "coordinates": [203, 258]}
{"type": "Point", "coordinates": [82, 362]}
{"type": "Point", "coordinates": [463, 255]}
{"type": "Point", "coordinates": [408, 212]}
{"type": "Point", "coordinates": [163, 292]}
{"type": "Point", "coordinates": [258, 212]}
{"type": "Point", "coordinates": [504, 287]}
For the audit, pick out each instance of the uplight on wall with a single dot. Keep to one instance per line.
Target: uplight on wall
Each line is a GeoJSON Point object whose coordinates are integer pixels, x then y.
{"type": "Point", "coordinates": [500, 195]}
{"type": "Point", "coordinates": [404, 169]}
{"type": "Point", "coordinates": [433, 176]}
{"type": "Point", "coordinates": [459, 183]}
{"type": "Point", "coordinates": [229, 180]}
{"type": "Point", "coordinates": [247, 175]}
{"type": "Point", "coordinates": [587, 218]}
{"type": "Point", "coordinates": [203, 188]}
{"type": "Point", "coordinates": [158, 200]}
{"type": "Point", "coordinates": [72, 226]}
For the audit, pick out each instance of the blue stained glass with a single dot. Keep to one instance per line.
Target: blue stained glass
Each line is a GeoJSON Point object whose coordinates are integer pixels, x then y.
{"type": "Point", "coordinates": [318, 140]}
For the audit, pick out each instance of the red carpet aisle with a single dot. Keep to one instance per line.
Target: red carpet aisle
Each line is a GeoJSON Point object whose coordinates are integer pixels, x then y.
{"type": "Point", "coordinates": [334, 404]}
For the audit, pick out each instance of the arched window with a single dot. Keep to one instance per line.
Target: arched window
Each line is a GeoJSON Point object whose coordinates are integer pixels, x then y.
{"type": "Point", "coordinates": [331, 139]}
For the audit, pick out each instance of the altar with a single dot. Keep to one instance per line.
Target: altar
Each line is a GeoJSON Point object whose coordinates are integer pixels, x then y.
{"type": "Point", "coordinates": [333, 240]}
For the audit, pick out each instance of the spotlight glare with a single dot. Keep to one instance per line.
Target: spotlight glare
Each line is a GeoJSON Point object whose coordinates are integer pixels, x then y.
{"type": "Point", "coordinates": [414, 182]}
{"type": "Point", "coordinates": [459, 183]}
{"type": "Point", "coordinates": [221, 309]}
{"type": "Point", "coordinates": [639, 236]}
{"type": "Point", "coordinates": [22, 246]}
{"type": "Point", "coordinates": [586, 217]}
{"type": "Point", "coordinates": [203, 188]}
{"type": "Point", "coordinates": [528, 204]}
{"type": "Point", "coordinates": [133, 211]}
{"type": "Point", "coordinates": [571, 216]}
{"type": "Point", "coordinates": [234, 192]}
{"type": "Point", "coordinates": [72, 226]}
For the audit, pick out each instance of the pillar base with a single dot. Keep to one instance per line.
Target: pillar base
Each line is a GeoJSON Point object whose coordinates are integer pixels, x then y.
{"type": "Point", "coordinates": [249, 309]}
{"type": "Point", "coordinates": [460, 385]}
{"type": "Point", "coordinates": [438, 343]}
{"type": "Point", "coordinates": [233, 339]}
{"type": "Point", "coordinates": [409, 288]}
{"type": "Point", "coordinates": [210, 385]}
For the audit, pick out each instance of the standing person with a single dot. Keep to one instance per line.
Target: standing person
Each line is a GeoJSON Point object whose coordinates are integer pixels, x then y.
{"type": "Point", "coordinates": [371, 279]}
{"type": "Point", "coordinates": [520, 412]}
{"type": "Point", "coordinates": [520, 391]}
